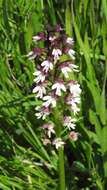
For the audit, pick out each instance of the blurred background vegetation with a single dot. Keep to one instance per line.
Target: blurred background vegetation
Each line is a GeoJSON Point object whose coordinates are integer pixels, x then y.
{"type": "Point", "coordinates": [24, 162]}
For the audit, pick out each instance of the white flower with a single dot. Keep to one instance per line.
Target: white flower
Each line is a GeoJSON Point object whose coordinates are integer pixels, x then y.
{"type": "Point", "coordinates": [75, 109]}
{"type": "Point", "coordinates": [36, 38]}
{"type": "Point", "coordinates": [49, 100]}
{"type": "Point", "coordinates": [73, 101]}
{"type": "Point", "coordinates": [40, 89]}
{"type": "Point", "coordinates": [65, 71]}
{"type": "Point", "coordinates": [59, 86]}
{"type": "Point", "coordinates": [40, 76]}
{"type": "Point", "coordinates": [69, 122]}
{"type": "Point", "coordinates": [56, 53]}
{"type": "Point", "coordinates": [73, 136]}
{"type": "Point", "coordinates": [50, 129]}
{"type": "Point", "coordinates": [74, 67]}
{"type": "Point", "coordinates": [58, 143]}
{"type": "Point", "coordinates": [42, 112]}
{"type": "Point", "coordinates": [46, 141]}
{"type": "Point", "coordinates": [68, 67]}
{"type": "Point", "coordinates": [71, 53]}
{"type": "Point", "coordinates": [31, 55]}
{"type": "Point", "coordinates": [70, 41]}
{"type": "Point", "coordinates": [74, 88]}
{"type": "Point", "coordinates": [52, 38]}
{"type": "Point", "coordinates": [47, 65]}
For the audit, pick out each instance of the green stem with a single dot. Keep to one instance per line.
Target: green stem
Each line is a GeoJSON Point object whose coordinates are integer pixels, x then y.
{"type": "Point", "coordinates": [58, 129]}
{"type": "Point", "coordinates": [61, 169]}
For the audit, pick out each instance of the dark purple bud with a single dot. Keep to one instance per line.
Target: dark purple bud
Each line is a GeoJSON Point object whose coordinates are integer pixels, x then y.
{"type": "Point", "coordinates": [66, 49]}
{"type": "Point", "coordinates": [58, 28]}
{"type": "Point", "coordinates": [42, 36]}
{"type": "Point", "coordinates": [38, 51]}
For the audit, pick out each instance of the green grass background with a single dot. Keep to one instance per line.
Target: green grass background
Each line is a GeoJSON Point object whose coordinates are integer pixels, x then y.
{"type": "Point", "coordinates": [24, 162]}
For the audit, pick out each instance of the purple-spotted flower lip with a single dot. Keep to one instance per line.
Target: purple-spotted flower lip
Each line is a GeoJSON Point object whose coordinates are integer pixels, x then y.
{"type": "Point", "coordinates": [59, 86]}
{"type": "Point", "coordinates": [40, 76]}
{"type": "Point", "coordinates": [40, 89]}
{"type": "Point", "coordinates": [69, 122]}
{"type": "Point", "coordinates": [49, 127]}
{"type": "Point", "coordinates": [50, 100]}
{"type": "Point", "coordinates": [47, 65]}
{"type": "Point", "coordinates": [43, 112]}
{"type": "Point", "coordinates": [58, 142]}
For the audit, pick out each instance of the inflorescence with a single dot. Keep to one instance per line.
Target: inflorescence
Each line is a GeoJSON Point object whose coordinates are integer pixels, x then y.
{"type": "Point", "coordinates": [54, 84]}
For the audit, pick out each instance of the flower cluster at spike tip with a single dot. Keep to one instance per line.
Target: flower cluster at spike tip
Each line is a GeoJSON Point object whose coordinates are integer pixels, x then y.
{"type": "Point", "coordinates": [53, 81]}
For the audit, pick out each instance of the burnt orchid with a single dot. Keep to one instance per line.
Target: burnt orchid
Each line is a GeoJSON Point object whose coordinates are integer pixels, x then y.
{"type": "Point", "coordinates": [55, 87]}
{"type": "Point", "coordinates": [53, 80]}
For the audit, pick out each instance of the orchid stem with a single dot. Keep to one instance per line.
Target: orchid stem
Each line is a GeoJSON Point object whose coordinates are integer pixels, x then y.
{"type": "Point", "coordinates": [61, 169]}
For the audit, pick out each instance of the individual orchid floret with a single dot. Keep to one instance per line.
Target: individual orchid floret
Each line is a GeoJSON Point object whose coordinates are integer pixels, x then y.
{"type": "Point", "coordinates": [70, 52]}
{"type": "Point", "coordinates": [40, 90]}
{"type": "Point", "coordinates": [36, 38]}
{"type": "Point", "coordinates": [70, 41]}
{"type": "Point", "coordinates": [73, 67]}
{"type": "Point", "coordinates": [50, 100]}
{"type": "Point", "coordinates": [73, 136]}
{"type": "Point", "coordinates": [72, 101]}
{"type": "Point", "coordinates": [74, 88]}
{"type": "Point", "coordinates": [67, 67]}
{"type": "Point", "coordinates": [43, 112]}
{"type": "Point", "coordinates": [75, 109]}
{"type": "Point", "coordinates": [40, 36]}
{"type": "Point", "coordinates": [69, 122]}
{"type": "Point", "coordinates": [50, 129]}
{"type": "Point", "coordinates": [35, 52]}
{"type": "Point", "coordinates": [46, 141]}
{"type": "Point", "coordinates": [40, 76]}
{"type": "Point", "coordinates": [58, 143]}
{"type": "Point", "coordinates": [31, 55]}
{"type": "Point", "coordinates": [47, 65]}
{"type": "Point", "coordinates": [58, 28]}
{"type": "Point", "coordinates": [58, 87]}
{"type": "Point", "coordinates": [56, 53]}
{"type": "Point", "coordinates": [52, 38]}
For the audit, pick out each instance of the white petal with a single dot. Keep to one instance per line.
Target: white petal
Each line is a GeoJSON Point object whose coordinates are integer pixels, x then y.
{"type": "Point", "coordinates": [45, 63]}
{"type": "Point", "coordinates": [63, 88]}
{"type": "Point", "coordinates": [36, 73]}
{"type": "Point", "coordinates": [58, 92]}
{"type": "Point", "coordinates": [36, 89]}
{"type": "Point", "coordinates": [46, 97]}
{"type": "Point", "coordinates": [54, 86]}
